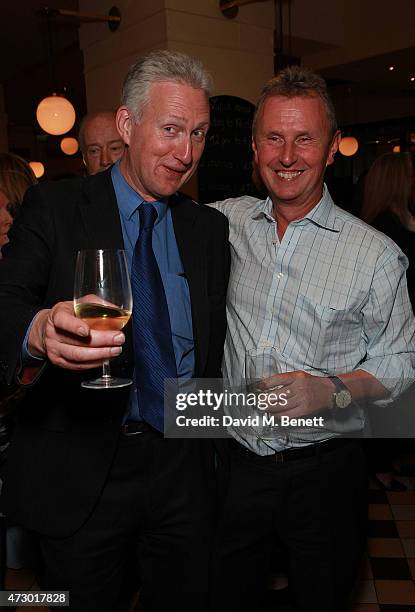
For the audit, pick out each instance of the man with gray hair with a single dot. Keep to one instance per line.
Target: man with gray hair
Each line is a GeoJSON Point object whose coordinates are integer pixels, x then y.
{"type": "Point", "coordinates": [99, 141]}
{"type": "Point", "coordinates": [90, 471]}
{"type": "Point", "coordinates": [320, 299]}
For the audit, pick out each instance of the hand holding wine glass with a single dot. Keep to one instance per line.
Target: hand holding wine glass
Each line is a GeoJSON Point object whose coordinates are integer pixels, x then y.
{"type": "Point", "coordinates": [67, 342]}
{"type": "Point", "coordinates": [103, 299]}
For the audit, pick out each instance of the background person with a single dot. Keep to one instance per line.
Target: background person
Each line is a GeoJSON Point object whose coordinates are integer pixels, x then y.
{"type": "Point", "coordinates": [15, 177]}
{"type": "Point", "coordinates": [100, 143]}
{"type": "Point", "coordinates": [389, 205]}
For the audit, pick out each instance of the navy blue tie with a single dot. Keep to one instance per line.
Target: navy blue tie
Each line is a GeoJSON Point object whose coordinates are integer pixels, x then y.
{"type": "Point", "coordinates": [153, 346]}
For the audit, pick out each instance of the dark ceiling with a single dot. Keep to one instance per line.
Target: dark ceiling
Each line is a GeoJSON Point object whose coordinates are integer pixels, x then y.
{"type": "Point", "coordinates": [26, 75]}
{"type": "Point", "coordinates": [23, 40]}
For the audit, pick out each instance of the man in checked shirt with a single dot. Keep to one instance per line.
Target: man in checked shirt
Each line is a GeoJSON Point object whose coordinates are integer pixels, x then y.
{"type": "Point", "coordinates": [329, 294]}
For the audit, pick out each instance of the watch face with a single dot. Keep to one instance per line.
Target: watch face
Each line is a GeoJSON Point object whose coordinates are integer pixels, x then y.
{"type": "Point", "coordinates": [343, 398]}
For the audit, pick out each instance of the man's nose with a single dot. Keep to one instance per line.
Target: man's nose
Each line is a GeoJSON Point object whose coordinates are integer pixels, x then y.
{"type": "Point", "coordinates": [184, 151]}
{"type": "Point", "coordinates": [288, 154]}
{"type": "Point", "coordinates": [105, 159]}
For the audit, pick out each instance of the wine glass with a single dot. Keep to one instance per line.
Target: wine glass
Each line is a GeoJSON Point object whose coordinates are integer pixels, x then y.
{"type": "Point", "coordinates": [262, 362]}
{"type": "Point", "coordinates": [103, 299]}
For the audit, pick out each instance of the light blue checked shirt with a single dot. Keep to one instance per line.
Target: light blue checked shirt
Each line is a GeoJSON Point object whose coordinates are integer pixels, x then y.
{"type": "Point", "coordinates": [331, 297]}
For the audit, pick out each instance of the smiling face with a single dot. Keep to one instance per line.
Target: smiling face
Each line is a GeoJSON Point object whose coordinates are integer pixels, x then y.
{"type": "Point", "coordinates": [165, 146]}
{"type": "Point", "coordinates": [6, 219]}
{"type": "Point", "coordinates": [292, 146]}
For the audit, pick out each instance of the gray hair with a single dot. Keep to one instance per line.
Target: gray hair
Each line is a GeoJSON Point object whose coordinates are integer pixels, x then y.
{"type": "Point", "coordinates": [158, 67]}
{"type": "Point", "coordinates": [295, 81]}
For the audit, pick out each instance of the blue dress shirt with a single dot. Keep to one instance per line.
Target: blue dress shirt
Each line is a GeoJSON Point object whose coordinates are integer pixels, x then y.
{"type": "Point", "coordinates": [170, 265]}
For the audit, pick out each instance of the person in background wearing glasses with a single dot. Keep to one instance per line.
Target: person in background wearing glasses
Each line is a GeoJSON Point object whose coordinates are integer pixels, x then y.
{"type": "Point", "coordinates": [100, 142]}
{"type": "Point", "coordinates": [329, 294]}
{"type": "Point", "coordinates": [90, 471]}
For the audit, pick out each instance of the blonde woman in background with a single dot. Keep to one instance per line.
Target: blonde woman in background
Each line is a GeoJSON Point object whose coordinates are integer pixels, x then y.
{"type": "Point", "coordinates": [15, 177]}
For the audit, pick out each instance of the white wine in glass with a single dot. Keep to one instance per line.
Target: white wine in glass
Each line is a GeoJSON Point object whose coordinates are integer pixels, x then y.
{"type": "Point", "coordinates": [103, 299]}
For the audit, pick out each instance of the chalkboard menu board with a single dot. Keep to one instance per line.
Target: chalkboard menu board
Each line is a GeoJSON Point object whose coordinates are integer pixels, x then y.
{"type": "Point", "coordinates": [226, 165]}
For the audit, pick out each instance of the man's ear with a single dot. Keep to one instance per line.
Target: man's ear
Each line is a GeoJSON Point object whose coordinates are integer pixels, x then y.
{"type": "Point", "coordinates": [123, 121]}
{"type": "Point", "coordinates": [334, 147]}
{"type": "Point", "coordinates": [254, 149]}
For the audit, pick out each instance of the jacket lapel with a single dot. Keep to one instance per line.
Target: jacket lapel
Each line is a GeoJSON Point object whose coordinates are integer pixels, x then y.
{"type": "Point", "coordinates": [190, 243]}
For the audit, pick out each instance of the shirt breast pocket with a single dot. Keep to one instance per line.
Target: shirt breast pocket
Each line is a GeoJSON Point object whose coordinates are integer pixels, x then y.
{"type": "Point", "coordinates": [177, 290]}
{"type": "Point", "coordinates": [327, 332]}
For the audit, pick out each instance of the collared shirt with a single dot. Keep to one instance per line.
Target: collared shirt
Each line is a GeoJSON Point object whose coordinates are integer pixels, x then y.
{"type": "Point", "coordinates": [170, 266]}
{"type": "Point", "coordinates": [330, 297]}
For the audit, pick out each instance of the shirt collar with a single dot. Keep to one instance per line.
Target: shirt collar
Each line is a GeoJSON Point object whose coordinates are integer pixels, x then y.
{"type": "Point", "coordinates": [128, 199]}
{"type": "Point", "coordinates": [264, 209]}
{"type": "Point", "coordinates": [323, 213]}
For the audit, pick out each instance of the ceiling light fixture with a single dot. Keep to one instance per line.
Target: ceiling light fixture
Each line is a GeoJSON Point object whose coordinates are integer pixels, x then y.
{"type": "Point", "coordinates": [38, 168]}
{"type": "Point", "coordinates": [69, 145]}
{"type": "Point", "coordinates": [55, 114]}
{"type": "Point", "coordinates": [230, 8]}
{"type": "Point", "coordinates": [348, 146]}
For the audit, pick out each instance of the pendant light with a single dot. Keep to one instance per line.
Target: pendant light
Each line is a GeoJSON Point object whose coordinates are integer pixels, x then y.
{"type": "Point", "coordinates": [69, 145]}
{"type": "Point", "coordinates": [348, 146]}
{"type": "Point", "coordinates": [55, 114]}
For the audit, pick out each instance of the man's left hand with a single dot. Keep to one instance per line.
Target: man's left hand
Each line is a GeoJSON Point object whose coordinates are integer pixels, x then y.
{"type": "Point", "coordinates": [306, 394]}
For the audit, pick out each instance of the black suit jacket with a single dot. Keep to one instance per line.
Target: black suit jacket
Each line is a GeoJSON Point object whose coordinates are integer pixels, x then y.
{"type": "Point", "coordinates": [66, 436]}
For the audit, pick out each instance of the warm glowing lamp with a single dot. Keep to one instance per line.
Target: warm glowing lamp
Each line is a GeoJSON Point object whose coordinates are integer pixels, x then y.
{"type": "Point", "coordinates": [69, 145]}
{"type": "Point", "coordinates": [38, 168]}
{"type": "Point", "coordinates": [55, 115]}
{"type": "Point", "coordinates": [348, 146]}
{"type": "Point", "coordinates": [396, 149]}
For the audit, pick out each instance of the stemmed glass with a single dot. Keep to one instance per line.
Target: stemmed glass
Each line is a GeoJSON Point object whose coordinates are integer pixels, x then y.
{"type": "Point", "coordinates": [103, 299]}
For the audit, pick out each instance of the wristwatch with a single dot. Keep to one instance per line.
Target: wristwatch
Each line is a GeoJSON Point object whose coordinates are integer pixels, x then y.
{"type": "Point", "coordinates": [342, 398]}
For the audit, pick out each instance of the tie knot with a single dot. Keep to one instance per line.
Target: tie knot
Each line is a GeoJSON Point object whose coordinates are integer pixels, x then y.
{"type": "Point", "coordinates": [148, 216]}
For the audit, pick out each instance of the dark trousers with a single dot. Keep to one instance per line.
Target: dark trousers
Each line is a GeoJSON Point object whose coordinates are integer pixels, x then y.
{"type": "Point", "coordinates": [316, 506]}
{"type": "Point", "coordinates": [157, 498]}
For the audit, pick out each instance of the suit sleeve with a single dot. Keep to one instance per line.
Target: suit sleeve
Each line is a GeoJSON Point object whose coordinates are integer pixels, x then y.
{"type": "Point", "coordinates": [218, 285]}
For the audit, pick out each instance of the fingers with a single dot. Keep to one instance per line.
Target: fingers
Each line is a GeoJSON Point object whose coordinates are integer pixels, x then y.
{"type": "Point", "coordinates": [70, 343]}
{"type": "Point", "coordinates": [273, 382]}
{"type": "Point", "coordinates": [62, 317]}
{"type": "Point", "coordinates": [285, 379]}
{"type": "Point", "coordinates": [80, 357]}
